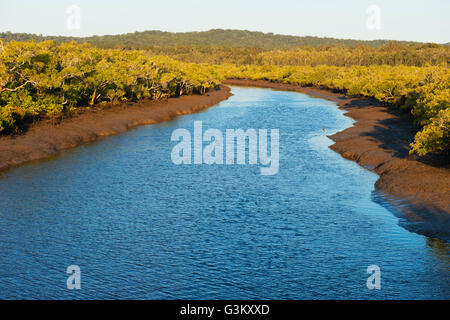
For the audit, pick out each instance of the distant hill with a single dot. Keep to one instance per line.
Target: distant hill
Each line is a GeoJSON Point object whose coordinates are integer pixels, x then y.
{"type": "Point", "coordinates": [215, 37]}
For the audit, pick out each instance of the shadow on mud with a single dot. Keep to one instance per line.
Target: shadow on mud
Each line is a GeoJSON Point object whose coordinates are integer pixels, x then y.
{"type": "Point", "coordinates": [425, 221]}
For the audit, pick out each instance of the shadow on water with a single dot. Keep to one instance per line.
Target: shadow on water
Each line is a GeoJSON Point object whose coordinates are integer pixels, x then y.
{"type": "Point", "coordinates": [430, 223]}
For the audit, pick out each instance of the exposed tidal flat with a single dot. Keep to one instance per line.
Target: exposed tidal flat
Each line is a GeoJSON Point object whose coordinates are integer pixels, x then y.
{"type": "Point", "coordinates": [140, 226]}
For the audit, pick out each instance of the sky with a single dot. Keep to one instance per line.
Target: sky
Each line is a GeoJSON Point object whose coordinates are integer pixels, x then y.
{"type": "Point", "coordinates": [414, 20]}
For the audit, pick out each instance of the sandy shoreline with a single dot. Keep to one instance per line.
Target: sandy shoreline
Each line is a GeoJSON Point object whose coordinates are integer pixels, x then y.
{"type": "Point", "coordinates": [379, 141]}
{"type": "Point", "coordinates": [45, 138]}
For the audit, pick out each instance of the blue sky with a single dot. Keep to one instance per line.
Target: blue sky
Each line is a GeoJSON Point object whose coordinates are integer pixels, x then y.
{"type": "Point", "coordinates": [426, 21]}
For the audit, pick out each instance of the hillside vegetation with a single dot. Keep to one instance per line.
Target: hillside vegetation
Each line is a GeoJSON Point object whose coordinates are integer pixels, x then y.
{"type": "Point", "coordinates": [211, 38]}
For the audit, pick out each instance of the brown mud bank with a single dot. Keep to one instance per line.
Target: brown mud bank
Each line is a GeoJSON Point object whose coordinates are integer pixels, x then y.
{"type": "Point", "coordinates": [45, 138]}
{"type": "Point", "coordinates": [416, 189]}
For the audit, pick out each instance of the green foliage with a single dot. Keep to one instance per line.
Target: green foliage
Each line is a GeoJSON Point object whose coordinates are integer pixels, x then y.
{"type": "Point", "coordinates": [44, 79]}
{"type": "Point", "coordinates": [435, 135]}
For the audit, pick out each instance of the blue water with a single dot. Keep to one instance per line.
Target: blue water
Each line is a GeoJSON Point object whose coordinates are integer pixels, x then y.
{"type": "Point", "coordinates": [141, 227]}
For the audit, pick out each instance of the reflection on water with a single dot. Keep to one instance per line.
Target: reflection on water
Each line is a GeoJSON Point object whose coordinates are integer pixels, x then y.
{"type": "Point", "coordinates": [140, 227]}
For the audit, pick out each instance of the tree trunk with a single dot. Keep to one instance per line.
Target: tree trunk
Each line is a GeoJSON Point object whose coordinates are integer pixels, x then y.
{"type": "Point", "coordinates": [93, 97]}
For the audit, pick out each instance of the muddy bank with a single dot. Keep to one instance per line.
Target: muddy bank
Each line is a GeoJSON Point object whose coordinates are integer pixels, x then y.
{"type": "Point", "coordinates": [45, 138]}
{"type": "Point", "coordinates": [379, 141]}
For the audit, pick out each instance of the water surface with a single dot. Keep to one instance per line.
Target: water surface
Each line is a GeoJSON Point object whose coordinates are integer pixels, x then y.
{"type": "Point", "coordinates": [141, 227]}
